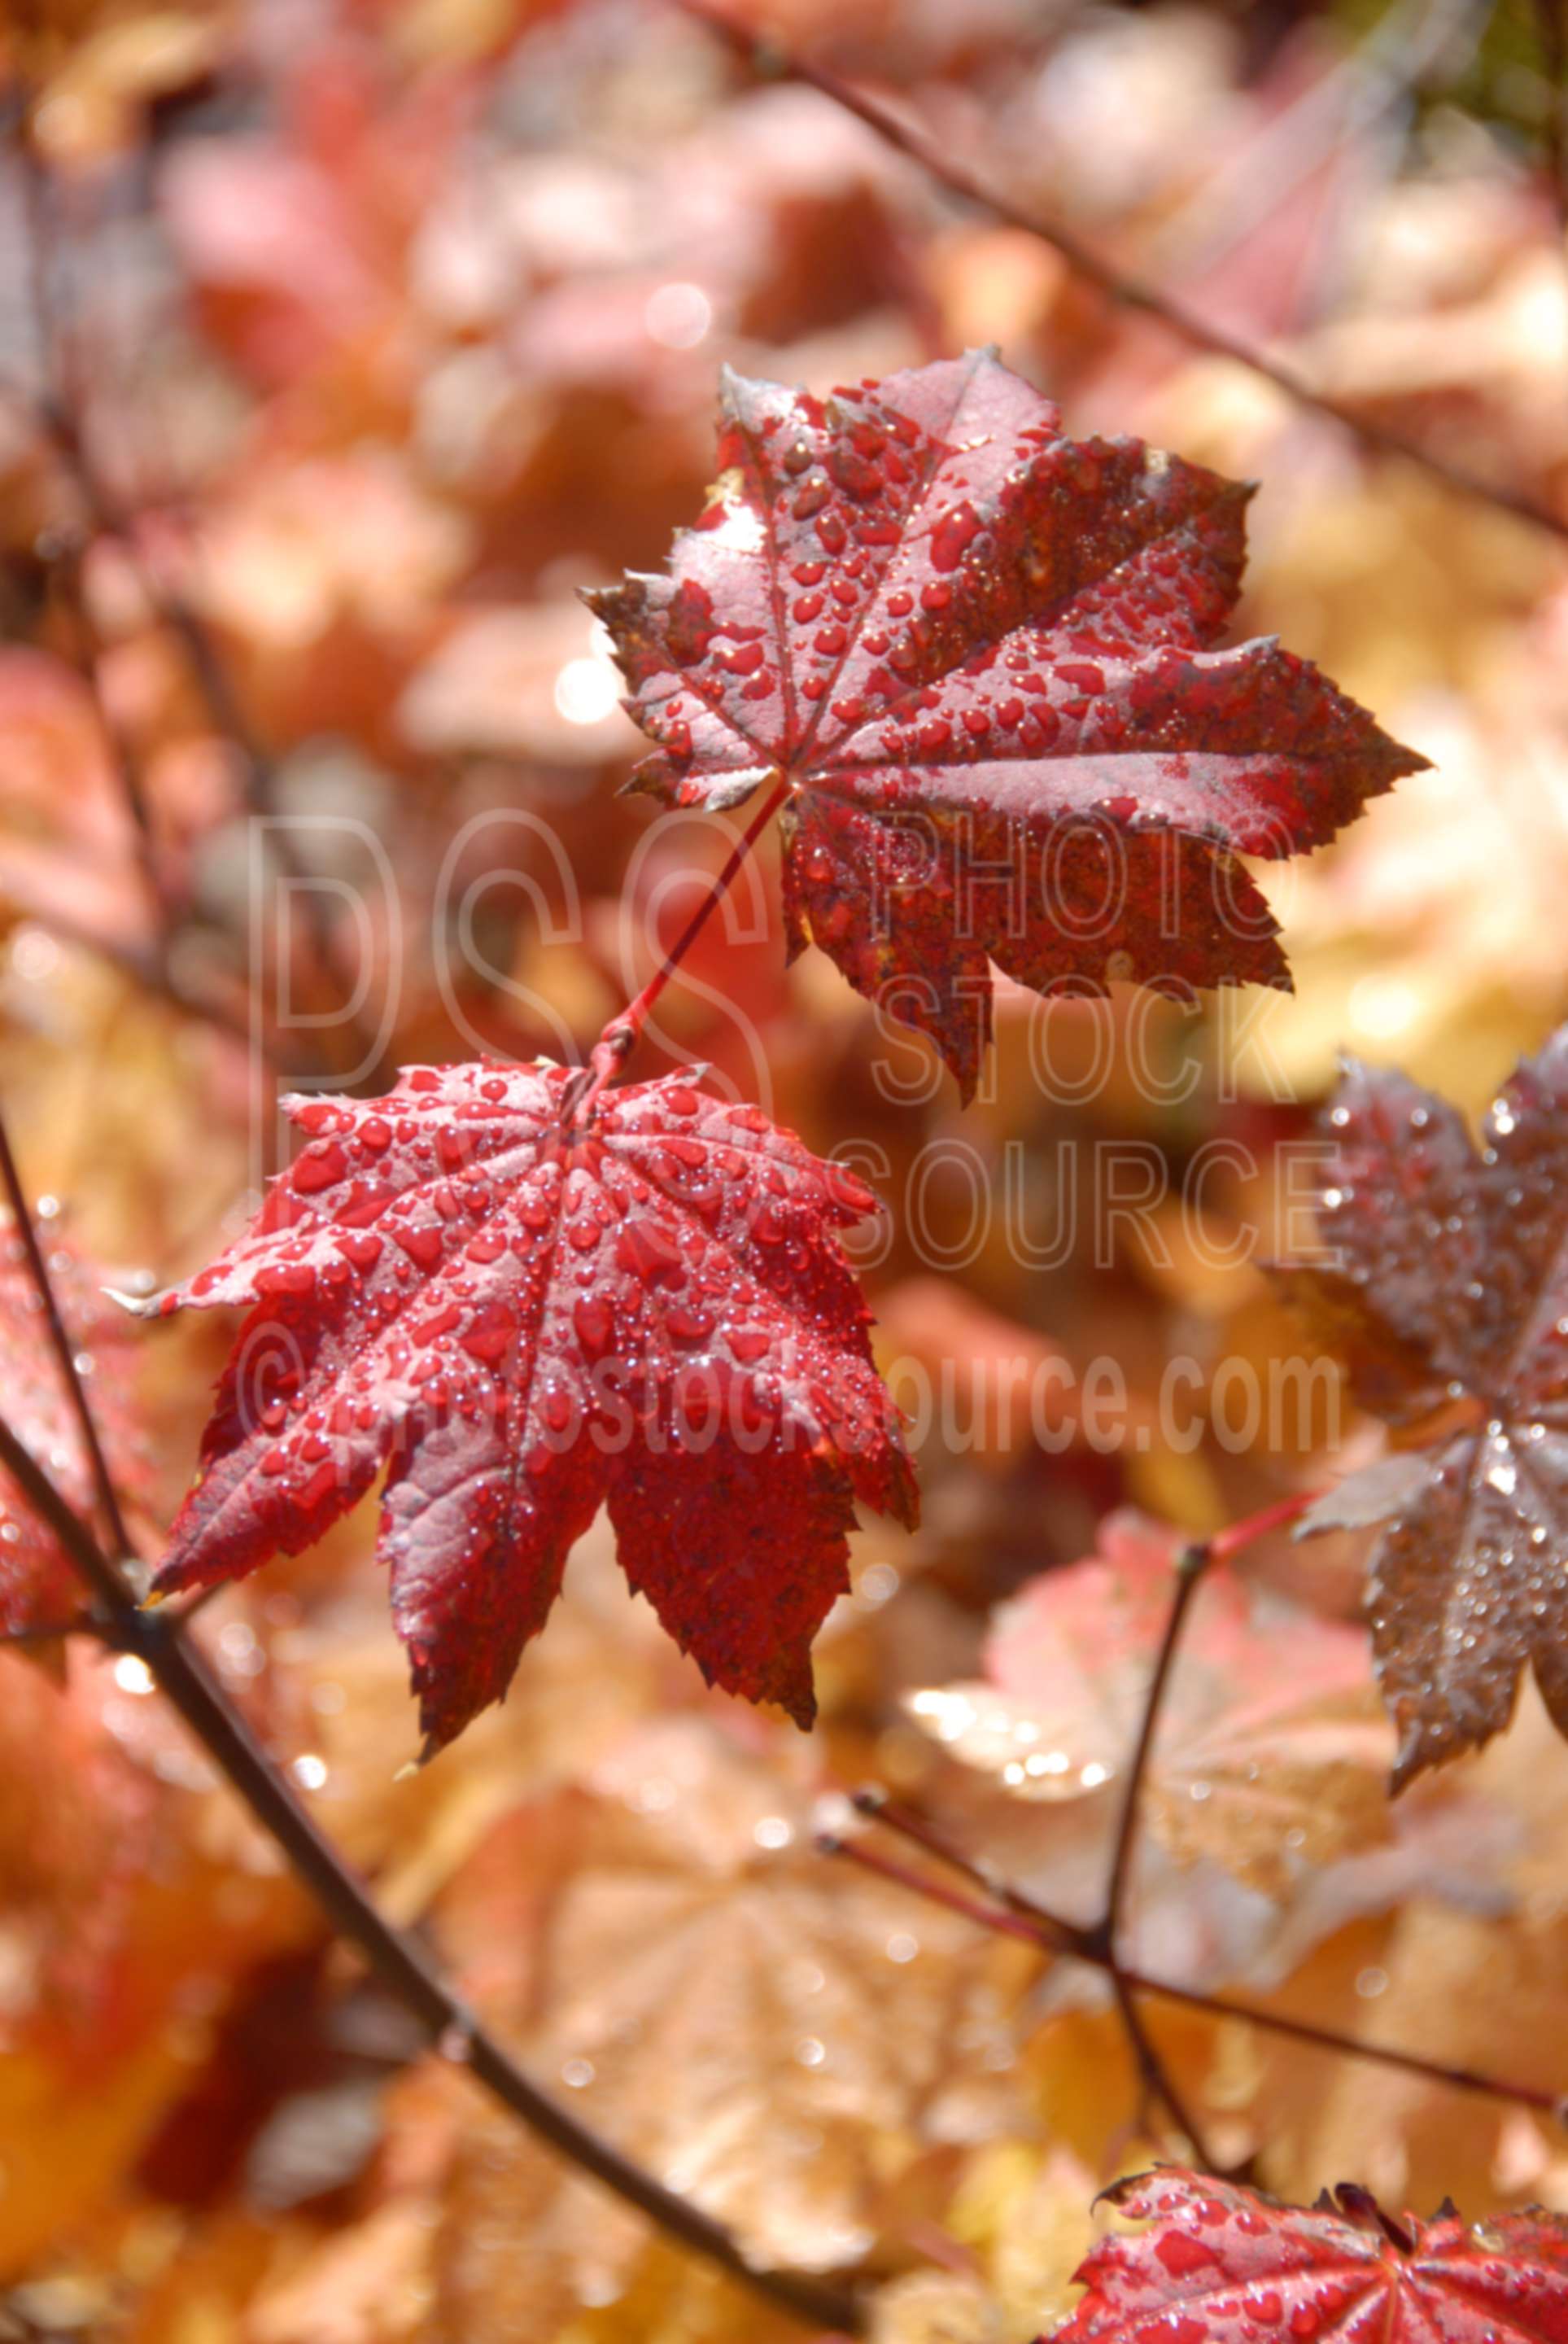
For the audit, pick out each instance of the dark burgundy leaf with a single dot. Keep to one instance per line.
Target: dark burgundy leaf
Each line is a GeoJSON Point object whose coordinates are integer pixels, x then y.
{"type": "Point", "coordinates": [1448, 1301]}
{"type": "Point", "coordinates": [981, 653]}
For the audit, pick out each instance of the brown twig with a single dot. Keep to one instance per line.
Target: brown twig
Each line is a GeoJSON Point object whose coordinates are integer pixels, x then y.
{"type": "Point", "coordinates": [1190, 1566]}
{"type": "Point", "coordinates": [773, 59]}
{"type": "Point", "coordinates": [123, 756]}
{"type": "Point", "coordinates": [1155, 2083]}
{"type": "Point", "coordinates": [1100, 1943]}
{"type": "Point", "coordinates": [60, 1343]}
{"type": "Point", "coordinates": [1019, 1915]}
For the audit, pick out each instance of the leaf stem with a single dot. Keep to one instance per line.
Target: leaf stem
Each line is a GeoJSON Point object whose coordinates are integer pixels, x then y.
{"type": "Point", "coordinates": [1226, 1544]}
{"type": "Point", "coordinates": [775, 60]}
{"type": "Point", "coordinates": [620, 1036]}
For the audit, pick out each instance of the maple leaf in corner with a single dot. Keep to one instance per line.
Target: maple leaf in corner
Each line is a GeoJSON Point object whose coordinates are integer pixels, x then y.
{"type": "Point", "coordinates": [979, 653]}
{"type": "Point", "coordinates": [521, 1320]}
{"type": "Point", "coordinates": [1448, 1299]}
{"type": "Point", "coordinates": [1221, 2265]}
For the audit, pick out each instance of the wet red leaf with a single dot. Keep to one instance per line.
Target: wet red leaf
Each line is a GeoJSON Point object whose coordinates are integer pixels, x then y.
{"type": "Point", "coordinates": [980, 652]}
{"type": "Point", "coordinates": [1219, 2264]}
{"type": "Point", "coordinates": [521, 1321]}
{"type": "Point", "coordinates": [1448, 1301]}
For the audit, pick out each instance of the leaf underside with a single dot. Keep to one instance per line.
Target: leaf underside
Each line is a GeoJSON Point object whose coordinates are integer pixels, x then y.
{"type": "Point", "coordinates": [1448, 1298]}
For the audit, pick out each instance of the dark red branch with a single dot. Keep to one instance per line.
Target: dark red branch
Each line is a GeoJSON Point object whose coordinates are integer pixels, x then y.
{"type": "Point", "coordinates": [1013, 1913]}
{"type": "Point", "coordinates": [57, 415]}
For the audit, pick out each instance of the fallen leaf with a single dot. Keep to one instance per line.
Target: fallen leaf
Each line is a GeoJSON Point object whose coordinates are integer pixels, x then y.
{"type": "Point", "coordinates": [1270, 1753]}
{"type": "Point", "coordinates": [775, 2037]}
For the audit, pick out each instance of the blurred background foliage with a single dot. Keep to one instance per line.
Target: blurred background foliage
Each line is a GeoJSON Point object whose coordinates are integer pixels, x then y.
{"type": "Point", "coordinates": [341, 343]}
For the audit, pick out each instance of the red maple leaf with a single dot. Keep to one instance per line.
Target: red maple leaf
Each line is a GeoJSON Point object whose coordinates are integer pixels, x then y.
{"type": "Point", "coordinates": [1222, 2265]}
{"type": "Point", "coordinates": [39, 1587]}
{"type": "Point", "coordinates": [522, 1317]}
{"type": "Point", "coordinates": [1448, 1301]}
{"type": "Point", "coordinates": [978, 652]}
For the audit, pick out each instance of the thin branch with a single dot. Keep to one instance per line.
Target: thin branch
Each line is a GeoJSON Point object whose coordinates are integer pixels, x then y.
{"type": "Point", "coordinates": [1042, 1932]}
{"type": "Point", "coordinates": [1410, 45]}
{"type": "Point", "coordinates": [874, 1803]}
{"type": "Point", "coordinates": [1018, 1915]}
{"type": "Point", "coordinates": [229, 721]}
{"type": "Point", "coordinates": [1007, 1911]}
{"type": "Point", "coordinates": [59, 414]}
{"type": "Point", "coordinates": [774, 59]}
{"type": "Point", "coordinates": [1191, 1564]}
{"type": "Point", "coordinates": [1157, 2086]}
{"type": "Point", "coordinates": [122, 755]}
{"type": "Point", "coordinates": [1102, 1943]}
{"type": "Point", "coordinates": [56, 414]}
{"type": "Point", "coordinates": [55, 363]}
{"type": "Point", "coordinates": [62, 1346]}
